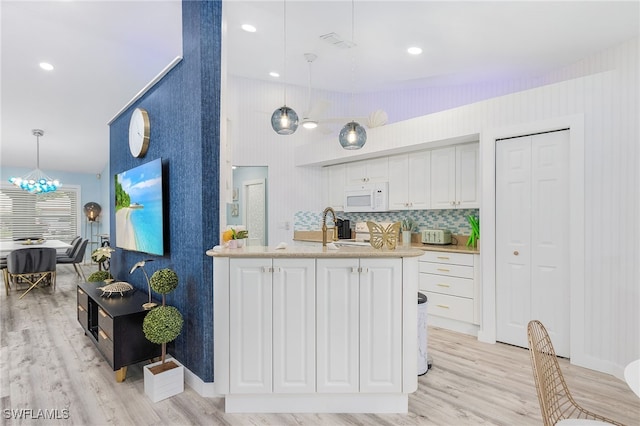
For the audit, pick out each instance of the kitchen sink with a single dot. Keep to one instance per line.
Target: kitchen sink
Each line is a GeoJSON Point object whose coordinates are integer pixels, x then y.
{"type": "Point", "coordinates": [341, 243]}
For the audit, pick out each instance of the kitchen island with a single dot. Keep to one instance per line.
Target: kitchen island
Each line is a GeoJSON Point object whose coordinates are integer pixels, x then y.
{"type": "Point", "coordinates": [312, 329]}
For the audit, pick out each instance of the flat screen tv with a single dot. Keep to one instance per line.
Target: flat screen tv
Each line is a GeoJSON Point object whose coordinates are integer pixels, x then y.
{"type": "Point", "coordinates": [138, 207]}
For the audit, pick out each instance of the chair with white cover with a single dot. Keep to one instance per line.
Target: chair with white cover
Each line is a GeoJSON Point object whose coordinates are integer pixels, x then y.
{"type": "Point", "coordinates": [556, 403]}
{"type": "Point", "coordinates": [32, 266]}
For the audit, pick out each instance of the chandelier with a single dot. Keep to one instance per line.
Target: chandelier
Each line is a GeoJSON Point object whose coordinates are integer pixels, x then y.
{"type": "Point", "coordinates": [36, 181]}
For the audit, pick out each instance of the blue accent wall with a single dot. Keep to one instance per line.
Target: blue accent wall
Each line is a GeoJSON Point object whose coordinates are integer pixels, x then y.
{"type": "Point", "coordinates": [184, 111]}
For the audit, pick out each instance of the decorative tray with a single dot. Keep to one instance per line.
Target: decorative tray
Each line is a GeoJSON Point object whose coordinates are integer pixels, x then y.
{"type": "Point", "coordinates": [31, 242]}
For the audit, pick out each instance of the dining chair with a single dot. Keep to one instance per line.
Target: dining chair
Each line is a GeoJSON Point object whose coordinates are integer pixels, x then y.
{"type": "Point", "coordinates": [556, 402]}
{"type": "Point", "coordinates": [5, 275]}
{"type": "Point", "coordinates": [75, 259]}
{"type": "Point", "coordinates": [32, 266]}
{"type": "Point", "coordinates": [74, 245]}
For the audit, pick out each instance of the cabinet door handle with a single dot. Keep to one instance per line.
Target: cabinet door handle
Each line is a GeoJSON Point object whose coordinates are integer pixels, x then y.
{"type": "Point", "coordinates": [443, 257]}
{"type": "Point", "coordinates": [363, 270]}
{"type": "Point", "coordinates": [443, 270]}
{"type": "Point", "coordinates": [103, 313]}
{"type": "Point", "coordinates": [103, 334]}
{"type": "Point", "coordinates": [267, 269]}
{"type": "Point", "coordinates": [515, 253]}
{"type": "Point", "coordinates": [355, 270]}
{"type": "Point", "coordinates": [80, 291]}
{"type": "Point", "coordinates": [443, 285]}
{"type": "Point", "coordinates": [276, 269]}
{"type": "Point", "coordinates": [443, 306]}
{"type": "Point", "coordinates": [80, 308]}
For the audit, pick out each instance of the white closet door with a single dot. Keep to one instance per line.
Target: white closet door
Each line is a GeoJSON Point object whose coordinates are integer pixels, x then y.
{"type": "Point", "coordinates": [532, 256]}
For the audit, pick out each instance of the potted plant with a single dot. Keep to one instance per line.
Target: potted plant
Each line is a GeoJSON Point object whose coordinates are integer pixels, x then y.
{"type": "Point", "coordinates": [234, 238]}
{"type": "Point", "coordinates": [102, 256]}
{"type": "Point", "coordinates": [407, 226]}
{"type": "Point", "coordinates": [162, 325]}
{"type": "Point", "coordinates": [474, 238]}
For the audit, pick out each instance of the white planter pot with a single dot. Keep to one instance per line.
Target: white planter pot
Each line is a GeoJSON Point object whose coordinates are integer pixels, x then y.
{"type": "Point", "coordinates": [165, 384]}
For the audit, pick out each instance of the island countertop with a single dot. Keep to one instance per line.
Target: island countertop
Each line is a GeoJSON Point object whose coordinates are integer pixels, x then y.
{"type": "Point", "coordinates": [293, 251]}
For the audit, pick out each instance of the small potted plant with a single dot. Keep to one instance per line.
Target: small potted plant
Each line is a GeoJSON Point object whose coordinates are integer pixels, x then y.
{"type": "Point", "coordinates": [474, 238]}
{"type": "Point", "coordinates": [162, 325]}
{"type": "Point", "coordinates": [408, 226]}
{"type": "Point", "coordinates": [102, 256]}
{"type": "Point", "coordinates": [234, 238]}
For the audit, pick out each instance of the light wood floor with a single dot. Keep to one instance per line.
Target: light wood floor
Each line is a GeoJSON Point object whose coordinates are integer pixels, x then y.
{"type": "Point", "coordinates": [46, 363]}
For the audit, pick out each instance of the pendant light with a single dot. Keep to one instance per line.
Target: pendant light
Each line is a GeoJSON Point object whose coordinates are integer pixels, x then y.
{"type": "Point", "coordinates": [352, 136]}
{"type": "Point", "coordinates": [284, 120]}
{"type": "Point", "coordinates": [36, 181]}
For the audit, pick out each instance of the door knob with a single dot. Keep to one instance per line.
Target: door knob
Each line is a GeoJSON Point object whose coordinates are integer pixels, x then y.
{"type": "Point", "coordinates": [516, 252]}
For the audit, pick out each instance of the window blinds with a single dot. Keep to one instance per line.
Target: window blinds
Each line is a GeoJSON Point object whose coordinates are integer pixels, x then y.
{"type": "Point", "coordinates": [54, 215]}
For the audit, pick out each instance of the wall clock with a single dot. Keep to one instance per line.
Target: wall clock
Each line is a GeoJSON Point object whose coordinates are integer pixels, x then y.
{"type": "Point", "coordinates": [139, 129]}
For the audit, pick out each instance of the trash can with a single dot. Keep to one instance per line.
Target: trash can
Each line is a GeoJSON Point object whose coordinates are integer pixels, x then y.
{"type": "Point", "coordinates": [423, 361]}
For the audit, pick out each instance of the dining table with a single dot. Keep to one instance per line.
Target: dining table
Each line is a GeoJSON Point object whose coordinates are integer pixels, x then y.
{"type": "Point", "coordinates": [7, 247]}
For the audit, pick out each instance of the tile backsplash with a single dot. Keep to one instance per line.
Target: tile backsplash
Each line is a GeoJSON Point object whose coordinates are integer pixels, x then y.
{"type": "Point", "coordinates": [454, 220]}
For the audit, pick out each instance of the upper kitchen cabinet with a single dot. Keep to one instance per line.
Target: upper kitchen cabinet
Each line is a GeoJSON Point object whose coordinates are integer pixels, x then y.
{"type": "Point", "coordinates": [410, 181]}
{"type": "Point", "coordinates": [454, 177]}
{"type": "Point", "coordinates": [368, 171]}
{"type": "Point", "coordinates": [336, 179]}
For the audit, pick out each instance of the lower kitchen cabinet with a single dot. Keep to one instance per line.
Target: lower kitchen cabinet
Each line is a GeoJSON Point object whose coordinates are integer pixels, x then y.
{"type": "Point", "coordinates": [315, 334]}
{"type": "Point", "coordinates": [360, 303]}
{"type": "Point", "coordinates": [272, 323]}
{"type": "Point", "coordinates": [451, 283]}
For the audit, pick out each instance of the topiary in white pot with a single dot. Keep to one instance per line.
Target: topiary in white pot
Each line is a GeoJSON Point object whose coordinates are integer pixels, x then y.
{"type": "Point", "coordinates": [162, 325]}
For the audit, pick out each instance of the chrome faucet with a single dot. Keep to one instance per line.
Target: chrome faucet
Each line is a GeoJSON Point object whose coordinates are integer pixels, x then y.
{"type": "Point", "coordinates": [324, 225]}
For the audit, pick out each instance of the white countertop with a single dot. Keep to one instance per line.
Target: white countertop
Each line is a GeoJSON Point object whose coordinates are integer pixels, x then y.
{"type": "Point", "coordinates": [293, 251]}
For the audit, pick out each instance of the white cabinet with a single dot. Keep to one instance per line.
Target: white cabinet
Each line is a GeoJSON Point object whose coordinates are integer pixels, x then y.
{"type": "Point", "coordinates": [370, 171]}
{"type": "Point", "coordinates": [250, 326]}
{"type": "Point", "coordinates": [451, 282]}
{"type": "Point", "coordinates": [410, 181]}
{"type": "Point", "coordinates": [455, 179]}
{"type": "Point", "coordinates": [359, 301]}
{"type": "Point", "coordinates": [272, 323]}
{"type": "Point", "coordinates": [336, 180]}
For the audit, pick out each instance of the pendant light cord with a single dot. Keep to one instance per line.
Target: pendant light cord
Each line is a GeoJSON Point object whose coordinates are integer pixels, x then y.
{"type": "Point", "coordinates": [38, 152]}
{"type": "Point", "coordinates": [284, 61]}
{"type": "Point", "coordinates": [353, 57]}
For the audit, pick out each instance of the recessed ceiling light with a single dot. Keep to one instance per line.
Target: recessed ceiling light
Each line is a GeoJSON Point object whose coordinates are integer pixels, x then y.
{"type": "Point", "coordinates": [249, 28]}
{"type": "Point", "coordinates": [414, 50]}
{"type": "Point", "coordinates": [46, 66]}
{"type": "Point", "coordinates": [274, 74]}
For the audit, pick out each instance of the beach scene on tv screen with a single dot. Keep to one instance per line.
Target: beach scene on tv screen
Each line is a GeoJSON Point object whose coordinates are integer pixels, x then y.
{"type": "Point", "coordinates": [138, 207]}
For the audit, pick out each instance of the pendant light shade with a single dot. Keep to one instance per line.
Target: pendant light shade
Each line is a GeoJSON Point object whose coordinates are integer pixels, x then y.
{"type": "Point", "coordinates": [352, 136]}
{"type": "Point", "coordinates": [284, 120]}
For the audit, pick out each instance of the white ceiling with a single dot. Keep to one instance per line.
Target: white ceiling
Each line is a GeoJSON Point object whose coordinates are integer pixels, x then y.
{"type": "Point", "coordinates": [104, 52]}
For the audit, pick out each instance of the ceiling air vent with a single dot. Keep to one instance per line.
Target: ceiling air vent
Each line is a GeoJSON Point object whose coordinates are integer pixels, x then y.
{"type": "Point", "coordinates": [337, 41]}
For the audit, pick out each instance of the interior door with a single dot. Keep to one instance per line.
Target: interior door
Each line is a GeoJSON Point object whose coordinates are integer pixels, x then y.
{"type": "Point", "coordinates": [255, 211]}
{"type": "Point", "coordinates": [532, 255]}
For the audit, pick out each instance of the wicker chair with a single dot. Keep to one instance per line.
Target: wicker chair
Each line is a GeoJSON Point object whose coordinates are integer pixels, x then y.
{"type": "Point", "coordinates": [556, 402]}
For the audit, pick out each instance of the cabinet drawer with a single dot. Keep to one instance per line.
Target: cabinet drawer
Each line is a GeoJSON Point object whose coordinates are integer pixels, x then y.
{"type": "Point", "coordinates": [106, 346]}
{"type": "Point", "coordinates": [453, 307]}
{"type": "Point", "coordinates": [446, 257]}
{"type": "Point", "coordinates": [105, 322]}
{"type": "Point", "coordinates": [83, 299]}
{"type": "Point", "coordinates": [446, 269]}
{"type": "Point", "coordinates": [83, 317]}
{"type": "Point", "coordinates": [442, 284]}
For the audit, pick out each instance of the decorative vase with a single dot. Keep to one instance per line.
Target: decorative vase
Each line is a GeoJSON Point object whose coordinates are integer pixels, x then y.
{"type": "Point", "coordinates": [240, 243]}
{"type": "Point", "coordinates": [162, 381]}
{"type": "Point", "coordinates": [406, 238]}
{"type": "Point", "coordinates": [232, 243]}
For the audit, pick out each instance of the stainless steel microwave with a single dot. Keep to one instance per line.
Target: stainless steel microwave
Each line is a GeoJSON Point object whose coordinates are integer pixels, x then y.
{"type": "Point", "coordinates": [367, 197]}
